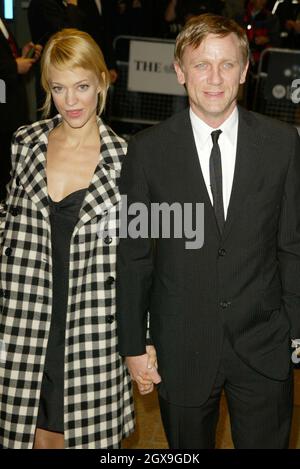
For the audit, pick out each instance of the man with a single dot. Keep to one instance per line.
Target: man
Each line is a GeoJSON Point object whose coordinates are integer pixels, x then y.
{"type": "Point", "coordinates": [97, 19]}
{"type": "Point", "coordinates": [221, 316]}
{"type": "Point", "coordinates": [288, 13]}
{"type": "Point", "coordinates": [45, 18]}
{"type": "Point", "coordinates": [262, 27]}
{"type": "Point", "coordinates": [13, 111]}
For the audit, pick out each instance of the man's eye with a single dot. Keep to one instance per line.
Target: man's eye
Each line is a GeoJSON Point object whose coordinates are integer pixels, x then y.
{"type": "Point", "coordinates": [202, 66]}
{"type": "Point", "coordinates": [228, 65]}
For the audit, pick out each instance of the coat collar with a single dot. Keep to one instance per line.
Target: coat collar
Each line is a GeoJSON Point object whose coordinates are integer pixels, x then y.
{"type": "Point", "coordinates": [102, 192]}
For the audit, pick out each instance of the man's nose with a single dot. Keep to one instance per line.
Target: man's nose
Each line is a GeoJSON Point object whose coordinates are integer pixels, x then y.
{"type": "Point", "coordinates": [215, 76]}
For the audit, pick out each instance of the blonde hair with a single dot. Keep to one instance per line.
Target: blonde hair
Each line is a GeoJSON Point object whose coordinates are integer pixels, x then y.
{"type": "Point", "coordinates": [70, 48]}
{"type": "Point", "coordinates": [199, 27]}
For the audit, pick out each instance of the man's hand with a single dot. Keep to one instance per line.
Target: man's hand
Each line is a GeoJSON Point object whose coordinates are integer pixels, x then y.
{"type": "Point", "coordinates": [36, 53]}
{"type": "Point", "coordinates": [24, 65]}
{"type": "Point", "coordinates": [143, 370]}
{"type": "Point", "coordinates": [72, 2]}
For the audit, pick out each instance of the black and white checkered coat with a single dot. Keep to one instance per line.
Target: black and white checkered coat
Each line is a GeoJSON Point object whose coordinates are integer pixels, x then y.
{"type": "Point", "coordinates": [98, 407]}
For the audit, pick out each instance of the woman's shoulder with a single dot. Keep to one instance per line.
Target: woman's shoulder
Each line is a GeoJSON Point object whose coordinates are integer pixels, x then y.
{"type": "Point", "coordinates": [113, 142]}
{"type": "Point", "coordinates": [27, 134]}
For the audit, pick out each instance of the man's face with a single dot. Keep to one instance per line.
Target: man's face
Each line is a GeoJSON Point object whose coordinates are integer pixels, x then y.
{"type": "Point", "coordinates": [212, 74]}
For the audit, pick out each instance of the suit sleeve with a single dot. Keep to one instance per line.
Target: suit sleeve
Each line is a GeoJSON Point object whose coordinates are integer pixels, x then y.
{"type": "Point", "coordinates": [8, 67]}
{"type": "Point", "coordinates": [134, 261]}
{"type": "Point", "coordinates": [289, 240]}
{"type": "Point", "coordinates": [56, 19]}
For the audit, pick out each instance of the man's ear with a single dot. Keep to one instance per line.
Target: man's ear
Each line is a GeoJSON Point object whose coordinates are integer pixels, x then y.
{"type": "Point", "coordinates": [179, 73]}
{"type": "Point", "coordinates": [244, 73]}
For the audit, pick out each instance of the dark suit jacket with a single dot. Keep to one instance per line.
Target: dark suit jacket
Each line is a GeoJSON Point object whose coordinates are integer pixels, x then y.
{"type": "Point", "coordinates": [46, 17]}
{"type": "Point", "coordinates": [14, 112]}
{"type": "Point", "coordinates": [99, 27]}
{"type": "Point", "coordinates": [245, 283]}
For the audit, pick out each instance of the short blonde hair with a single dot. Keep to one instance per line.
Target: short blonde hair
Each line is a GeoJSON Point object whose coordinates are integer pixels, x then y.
{"type": "Point", "coordinates": [70, 48]}
{"type": "Point", "coordinates": [199, 27]}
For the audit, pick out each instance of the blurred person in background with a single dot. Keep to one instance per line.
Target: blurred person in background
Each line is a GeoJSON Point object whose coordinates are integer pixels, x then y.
{"type": "Point", "coordinates": [14, 65]}
{"type": "Point", "coordinates": [97, 20]}
{"type": "Point", "coordinates": [177, 12]}
{"type": "Point", "coordinates": [288, 13]}
{"type": "Point", "coordinates": [262, 28]}
{"type": "Point", "coordinates": [233, 8]}
{"type": "Point", "coordinates": [45, 18]}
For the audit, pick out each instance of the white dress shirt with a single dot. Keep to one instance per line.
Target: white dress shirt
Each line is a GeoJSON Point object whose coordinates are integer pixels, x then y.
{"type": "Point", "coordinates": [3, 29]}
{"type": "Point", "coordinates": [99, 6]}
{"type": "Point", "coordinates": [227, 143]}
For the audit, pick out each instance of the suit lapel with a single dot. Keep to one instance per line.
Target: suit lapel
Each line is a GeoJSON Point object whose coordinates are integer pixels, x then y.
{"type": "Point", "coordinates": [248, 157]}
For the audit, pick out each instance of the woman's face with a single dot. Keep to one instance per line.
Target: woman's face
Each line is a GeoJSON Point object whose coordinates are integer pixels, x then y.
{"type": "Point", "coordinates": [75, 94]}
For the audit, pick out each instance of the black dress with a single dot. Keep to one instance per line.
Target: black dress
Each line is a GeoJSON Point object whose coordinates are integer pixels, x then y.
{"type": "Point", "coordinates": [63, 218]}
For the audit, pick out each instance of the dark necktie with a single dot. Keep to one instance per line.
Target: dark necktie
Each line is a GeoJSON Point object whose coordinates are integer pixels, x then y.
{"type": "Point", "coordinates": [215, 173]}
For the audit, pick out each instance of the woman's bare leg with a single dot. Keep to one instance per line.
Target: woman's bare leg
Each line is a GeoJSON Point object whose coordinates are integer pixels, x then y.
{"type": "Point", "coordinates": [48, 440]}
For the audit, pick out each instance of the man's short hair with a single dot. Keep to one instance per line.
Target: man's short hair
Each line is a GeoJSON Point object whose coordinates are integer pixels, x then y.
{"type": "Point", "coordinates": [199, 27]}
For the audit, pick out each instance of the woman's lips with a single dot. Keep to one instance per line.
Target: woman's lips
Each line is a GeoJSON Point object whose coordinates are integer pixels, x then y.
{"type": "Point", "coordinates": [75, 113]}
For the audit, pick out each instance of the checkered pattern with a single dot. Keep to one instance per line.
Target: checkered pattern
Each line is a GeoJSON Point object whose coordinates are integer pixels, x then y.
{"type": "Point", "coordinates": [98, 407]}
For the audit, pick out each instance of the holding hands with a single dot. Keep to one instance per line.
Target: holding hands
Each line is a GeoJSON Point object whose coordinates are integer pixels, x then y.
{"type": "Point", "coordinates": [143, 370]}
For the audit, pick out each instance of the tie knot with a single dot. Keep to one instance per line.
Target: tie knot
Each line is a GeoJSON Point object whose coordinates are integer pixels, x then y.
{"type": "Point", "coordinates": [215, 135]}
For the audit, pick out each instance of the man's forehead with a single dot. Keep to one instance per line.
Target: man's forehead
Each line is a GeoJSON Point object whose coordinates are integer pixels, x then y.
{"type": "Point", "coordinates": [213, 45]}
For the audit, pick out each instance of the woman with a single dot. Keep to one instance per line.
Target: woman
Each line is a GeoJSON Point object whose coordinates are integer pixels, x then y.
{"type": "Point", "coordinates": [62, 382]}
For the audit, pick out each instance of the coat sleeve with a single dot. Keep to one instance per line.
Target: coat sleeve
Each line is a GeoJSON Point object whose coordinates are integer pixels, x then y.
{"type": "Point", "coordinates": [289, 240]}
{"type": "Point", "coordinates": [3, 203]}
{"type": "Point", "coordinates": [134, 261]}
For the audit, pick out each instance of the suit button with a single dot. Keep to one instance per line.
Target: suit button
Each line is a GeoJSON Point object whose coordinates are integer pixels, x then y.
{"type": "Point", "coordinates": [225, 304]}
{"type": "Point", "coordinates": [222, 252]}
{"type": "Point", "coordinates": [107, 240]}
{"type": "Point", "coordinates": [109, 281]}
{"type": "Point", "coordinates": [110, 319]}
{"type": "Point", "coordinates": [15, 211]}
{"type": "Point", "coordinates": [8, 252]}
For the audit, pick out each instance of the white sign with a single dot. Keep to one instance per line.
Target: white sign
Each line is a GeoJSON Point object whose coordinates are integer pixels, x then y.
{"type": "Point", "coordinates": [151, 68]}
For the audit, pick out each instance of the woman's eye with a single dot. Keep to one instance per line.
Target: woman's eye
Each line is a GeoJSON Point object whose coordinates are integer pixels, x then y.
{"type": "Point", "coordinates": [57, 89]}
{"type": "Point", "coordinates": [83, 87]}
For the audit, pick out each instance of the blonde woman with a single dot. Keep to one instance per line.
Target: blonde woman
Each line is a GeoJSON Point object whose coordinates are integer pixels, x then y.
{"type": "Point", "coordinates": [62, 382]}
